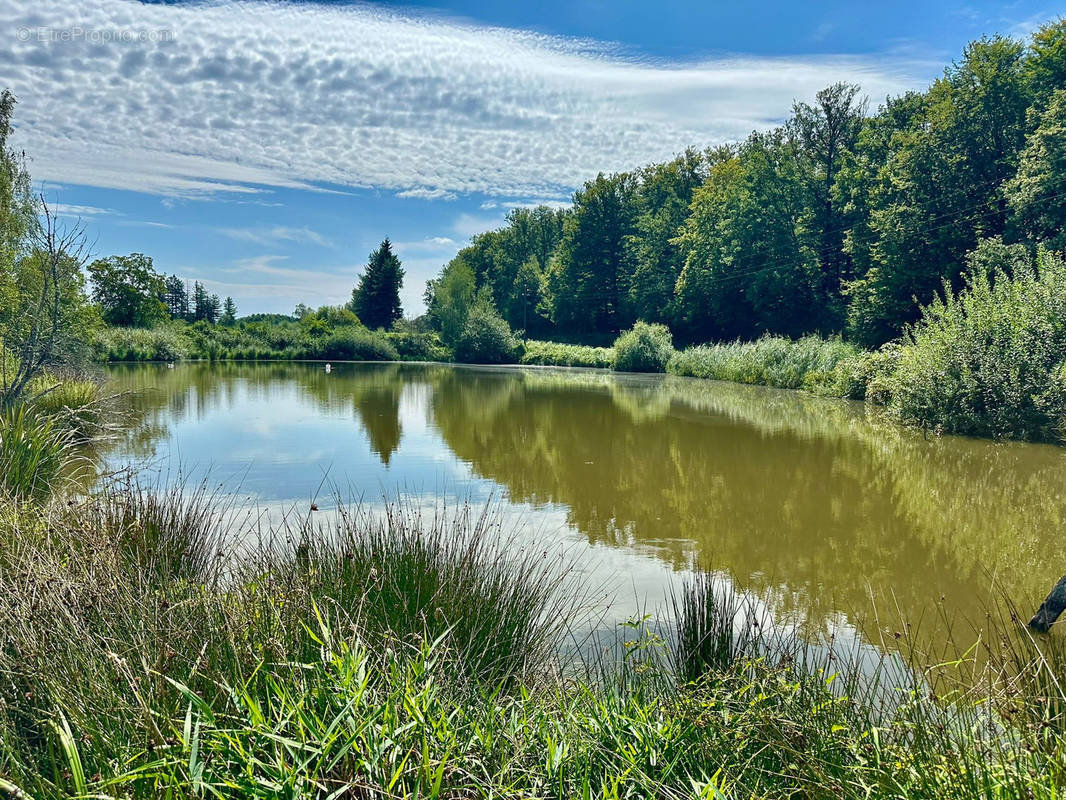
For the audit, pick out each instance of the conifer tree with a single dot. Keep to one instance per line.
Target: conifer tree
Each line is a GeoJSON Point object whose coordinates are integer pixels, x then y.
{"type": "Point", "coordinates": [376, 300]}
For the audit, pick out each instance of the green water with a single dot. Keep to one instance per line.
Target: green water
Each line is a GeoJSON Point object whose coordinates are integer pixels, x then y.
{"type": "Point", "coordinates": [827, 514]}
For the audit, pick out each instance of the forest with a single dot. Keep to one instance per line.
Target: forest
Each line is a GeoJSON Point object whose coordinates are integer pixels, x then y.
{"type": "Point", "coordinates": [846, 219]}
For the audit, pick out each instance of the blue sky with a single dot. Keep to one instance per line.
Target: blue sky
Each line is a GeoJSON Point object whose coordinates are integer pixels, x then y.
{"type": "Point", "coordinates": [266, 148]}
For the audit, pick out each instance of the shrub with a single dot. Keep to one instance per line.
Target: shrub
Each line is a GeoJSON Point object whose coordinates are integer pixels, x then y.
{"type": "Point", "coordinates": [566, 355]}
{"type": "Point", "coordinates": [418, 346]}
{"type": "Point", "coordinates": [644, 348]}
{"type": "Point", "coordinates": [990, 359]}
{"type": "Point", "coordinates": [486, 338]}
{"type": "Point", "coordinates": [351, 344]}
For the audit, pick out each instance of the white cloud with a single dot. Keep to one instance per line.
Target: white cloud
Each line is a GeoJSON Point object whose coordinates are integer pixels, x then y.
{"type": "Point", "coordinates": [429, 194]}
{"type": "Point", "coordinates": [431, 244]}
{"type": "Point", "coordinates": [247, 96]}
{"type": "Point", "coordinates": [70, 210]}
{"type": "Point", "coordinates": [145, 223]}
{"type": "Point", "coordinates": [276, 235]}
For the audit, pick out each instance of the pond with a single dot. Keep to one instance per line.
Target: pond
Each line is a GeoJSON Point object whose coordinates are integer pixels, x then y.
{"type": "Point", "coordinates": [831, 517]}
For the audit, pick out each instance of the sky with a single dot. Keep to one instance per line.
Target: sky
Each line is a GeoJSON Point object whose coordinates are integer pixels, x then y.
{"type": "Point", "coordinates": [265, 148]}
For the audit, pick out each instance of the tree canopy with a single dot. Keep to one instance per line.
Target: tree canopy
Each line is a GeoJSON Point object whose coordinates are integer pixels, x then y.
{"type": "Point", "coordinates": [844, 220]}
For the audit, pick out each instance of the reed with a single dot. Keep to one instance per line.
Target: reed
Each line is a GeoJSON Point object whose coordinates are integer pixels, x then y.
{"type": "Point", "coordinates": [34, 452]}
{"type": "Point", "coordinates": [400, 653]}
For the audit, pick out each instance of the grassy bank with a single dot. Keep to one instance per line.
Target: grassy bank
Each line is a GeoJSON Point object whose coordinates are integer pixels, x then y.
{"type": "Point", "coordinates": [400, 655]}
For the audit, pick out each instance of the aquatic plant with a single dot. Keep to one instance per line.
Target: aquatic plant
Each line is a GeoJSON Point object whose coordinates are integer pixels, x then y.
{"type": "Point", "coordinates": [34, 450]}
{"type": "Point", "coordinates": [826, 366]}
{"type": "Point", "coordinates": [643, 348]}
{"type": "Point", "coordinates": [565, 355]}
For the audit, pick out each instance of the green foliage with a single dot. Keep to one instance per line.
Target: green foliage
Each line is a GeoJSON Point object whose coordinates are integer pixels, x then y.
{"type": "Point", "coordinates": [749, 252]}
{"type": "Point", "coordinates": [644, 348]}
{"type": "Point", "coordinates": [1045, 68]}
{"type": "Point", "coordinates": [486, 337]}
{"type": "Point", "coordinates": [141, 344]}
{"type": "Point", "coordinates": [44, 315]}
{"type": "Point", "coordinates": [350, 344]}
{"type": "Point", "coordinates": [376, 300]}
{"type": "Point", "coordinates": [664, 195]}
{"type": "Point", "coordinates": [826, 366]}
{"type": "Point", "coordinates": [34, 451]}
{"type": "Point", "coordinates": [418, 346]}
{"type": "Point", "coordinates": [449, 299]}
{"type": "Point", "coordinates": [989, 359]}
{"type": "Point", "coordinates": [206, 307]}
{"type": "Point", "coordinates": [511, 262]}
{"type": "Point", "coordinates": [566, 355]}
{"type": "Point", "coordinates": [1037, 194]}
{"type": "Point", "coordinates": [939, 186]}
{"type": "Point", "coordinates": [176, 298]}
{"type": "Point", "coordinates": [586, 281]}
{"type": "Point", "coordinates": [229, 312]}
{"type": "Point", "coordinates": [129, 291]}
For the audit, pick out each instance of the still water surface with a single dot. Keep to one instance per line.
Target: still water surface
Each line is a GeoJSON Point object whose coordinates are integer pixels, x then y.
{"type": "Point", "coordinates": [832, 517]}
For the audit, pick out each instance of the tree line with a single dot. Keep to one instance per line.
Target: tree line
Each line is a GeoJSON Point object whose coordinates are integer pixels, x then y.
{"type": "Point", "coordinates": [841, 220]}
{"type": "Point", "coordinates": [131, 294]}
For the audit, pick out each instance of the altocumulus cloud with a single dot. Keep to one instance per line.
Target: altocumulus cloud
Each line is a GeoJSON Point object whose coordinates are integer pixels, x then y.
{"type": "Point", "coordinates": [239, 96]}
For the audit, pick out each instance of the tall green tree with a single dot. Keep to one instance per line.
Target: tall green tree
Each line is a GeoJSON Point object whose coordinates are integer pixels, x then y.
{"type": "Point", "coordinates": [176, 297]}
{"type": "Point", "coordinates": [663, 198]}
{"type": "Point", "coordinates": [206, 306]}
{"type": "Point", "coordinates": [750, 256]}
{"type": "Point", "coordinates": [229, 312]}
{"type": "Point", "coordinates": [128, 290]}
{"type": "Point", "coordinates": [942, 187]}
{"type": "Point", "coordinates": [1045, 68]}
{"type": "Point", "coordinates": [826, 133]}
{"type": "Point", "coordinates": [512, 260]}
{"type": "Point", "coordinates": [449, 299]}
{"type": "Point", "coordinates": [376, 300]}
{"type": "Point", "coordinates": [1037, 194]}
{"type": "Point", "coordinates": [44, 313]}
{"type": "Point", "coordinates": [589, 278]}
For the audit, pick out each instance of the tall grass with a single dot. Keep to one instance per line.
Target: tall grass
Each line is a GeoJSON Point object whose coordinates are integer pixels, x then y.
{"type": "Point", "coordinates": [141, 344]}
{"type": "Point", "coordinates": [826, 366]}
{"type": "Point", "coordinates": [565, 355]}
{"type": "Point", "coordinates": [411, 578]}
{"type": "Point", "coordinates": [73, 402]}
{"type": "Point", "coordinates": [400, 654]}
{"type": "Point", "coordinates": [34, 452]}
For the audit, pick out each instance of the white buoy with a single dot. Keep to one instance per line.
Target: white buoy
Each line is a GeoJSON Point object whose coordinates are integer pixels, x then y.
{"type": "Point", "coordinates": [329, 368]}
{"type": "Point", "coordinates": [170, 365]}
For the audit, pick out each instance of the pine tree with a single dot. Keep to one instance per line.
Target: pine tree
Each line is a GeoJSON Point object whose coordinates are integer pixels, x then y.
{"type": "Point", "coordinates": [376, 300]}
{"type": "Point", "coordinates": [176, 297]}
{"type": "Point", "coordinates": [229, 312]}
{"type": "Point", "coordinates": [206, 307]}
